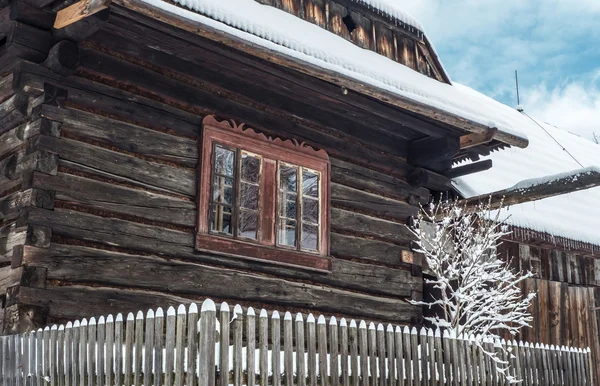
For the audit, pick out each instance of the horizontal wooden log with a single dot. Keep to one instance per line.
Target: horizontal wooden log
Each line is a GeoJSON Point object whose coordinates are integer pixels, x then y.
{"type": "Point", "coordinates": [9, 277]}
{"type": "Point", "coordinates": [6, 89]}
{"type": "Point", "coordinates": [113, 198]}
{"type": "Point", "coordinates": [125, 136]}
{"type": "Point", "coordinates": [10, 205]}
{"type": "Point", "coordinates": [365, 249]}
{"type": "Point", "coordinates": [13, 112]}
{"type": "Point", "coordinates": [78, 11]}
{"type": "Point", "coordinates": [63, 58]}
{"type": "Point", "coordinates": [21, 11]}
{"type": "Point", "coordinates": [176, 244]}
{"type": "Point", "coordinates": [539, 189]}
{"type": "Point", "coordinates": [163, 176]}
{"type": "Point", "coordinates": [358, 200]}
{"type": "Point", "coordinates": [18, 136]}
{"type": "Point", "coordinates": [11, 236]}
{"type": "Point", "coordinates": [476, 139]}
{"type": "Point", "coordinates": [359, 224]}
{"type": "Point", "coordinates": [34, 42]}
{"type": "Point", "coordinates": [358, 177]}
{"type": "Point", "coordinates": [471, 168]}
{"type": "Point", "coordinates": [183, 279]}
{"type": "Point", "coordinates": [82, 29]}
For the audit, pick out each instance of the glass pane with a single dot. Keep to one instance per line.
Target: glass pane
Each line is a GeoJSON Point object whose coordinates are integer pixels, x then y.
{"type": "Point", "coordinates": [248, 196]}
{"type": "Point", "coordinates": [310, 183]}
{"type": "Point", "coordinates": [290, 207]}
{"type": "Point", "coordinates": [221, 219]}
{"type": "Point", "coordinates": [223, 190]}
{"type": "Point", "coordinates": [250, 168]}
{"type": "Point", "coordinates": [287, 232]}
{"type": "Point", "coordinates": [287, 178]}
{"type": "Point", "coordinates": [310, 210]}
{"type": "Point", "coordinates": [224, 161]}
{"type": "Point", "coordinates": [248, 224]}
{"type": "Point", "coordinates": [310, 237]}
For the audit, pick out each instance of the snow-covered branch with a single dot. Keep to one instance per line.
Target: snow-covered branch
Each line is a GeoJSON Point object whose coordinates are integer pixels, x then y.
{"type": "Point", "coordinates": [478, 293]}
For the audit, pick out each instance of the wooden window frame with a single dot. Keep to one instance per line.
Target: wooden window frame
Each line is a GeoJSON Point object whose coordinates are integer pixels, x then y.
{"type": "Point", "coordinates": [272, 151]}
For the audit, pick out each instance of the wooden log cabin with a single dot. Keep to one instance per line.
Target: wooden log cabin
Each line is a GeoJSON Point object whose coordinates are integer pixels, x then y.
{"type": "Point", "coordinates": [553, 218]}
{"type": "Point", "coordinates": [268, 153]}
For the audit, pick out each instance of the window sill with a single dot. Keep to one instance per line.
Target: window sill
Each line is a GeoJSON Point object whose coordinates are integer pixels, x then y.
{"type": "Point", "coordinates": [249, 251]}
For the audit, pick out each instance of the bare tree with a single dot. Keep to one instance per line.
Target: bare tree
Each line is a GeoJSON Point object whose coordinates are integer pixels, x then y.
{"type": "Point", "coordinates": [479, 294]}
{"type": "Point", "coordinates": [596, 137]}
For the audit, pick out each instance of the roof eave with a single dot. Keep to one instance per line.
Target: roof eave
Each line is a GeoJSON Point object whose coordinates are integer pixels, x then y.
{"type": "Point", "coordinates": [341, 80]}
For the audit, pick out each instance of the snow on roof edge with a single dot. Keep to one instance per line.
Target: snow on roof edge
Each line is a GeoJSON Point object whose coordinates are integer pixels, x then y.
{"type": "Point", "coordinates": [455, 100]}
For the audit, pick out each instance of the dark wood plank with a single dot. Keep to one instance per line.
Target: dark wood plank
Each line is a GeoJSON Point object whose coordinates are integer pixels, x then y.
{"type": "Point", "coordinates": [365, 249]}
{"type": "Point", "coordinates": [358, 200]}
{"type": "Point", "coordinates": [164, 176]}
{"type": "Point", "coordinates": [124, 136]}
{"type": "Point", "coordinates": [156, 274]}
{"type": "Point", "coordinates": [113, 198]}
{"type": "Point", "coordinates": [145, 238]}
{"type": "Point", "coordinates": [359, 224]}
{"type": "Point", "coordinates": [358, 177]}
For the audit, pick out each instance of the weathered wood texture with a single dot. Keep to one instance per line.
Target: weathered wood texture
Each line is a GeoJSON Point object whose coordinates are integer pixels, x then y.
{"type": "Point", "coordinates": [396, 355]}
{"type": "Point", "coordinates": [567, 294]}
{"type": "Point", "coordinates": [124, 209]}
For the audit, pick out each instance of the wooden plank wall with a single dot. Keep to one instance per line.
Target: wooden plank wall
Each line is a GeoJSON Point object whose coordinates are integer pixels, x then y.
{"type": "Point", "coordinates": [567, 293]}
{"type": "Point", "coordinates": [124, 209]}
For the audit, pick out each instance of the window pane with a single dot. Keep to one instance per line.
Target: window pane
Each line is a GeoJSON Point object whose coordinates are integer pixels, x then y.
{"type": "Point", "coordinates": [289, 209]}
{"type": "Point", "coordinates": [310, 183]}
{"type": "Point", "coordinates": [248, 224]}
{"type": "Point", "coordinates": [287, 232]}
{"type": "Point", "coordinates": [310, 211]}
{"type": "Point", "coordinates": [220, 219]}
{"type": "Point", "coordinates": [250, 168]}
{"type": "Point", "coordinates": [310, 237]}
{"type": "Point", "coordinates": [224, 161]}
{"type": "Point", "coordinates": [223, 190]}
{"type": "Point", "coordinates": [248, 196]}
{"type": "Point", "coordinates": [287, 178]}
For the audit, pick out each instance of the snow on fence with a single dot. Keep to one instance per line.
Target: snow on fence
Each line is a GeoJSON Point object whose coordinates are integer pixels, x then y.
{"type": "Point", "coordinates": [191, 348]}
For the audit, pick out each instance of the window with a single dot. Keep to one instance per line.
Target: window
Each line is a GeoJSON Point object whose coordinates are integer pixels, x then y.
{"type": "Point", "coordinates": [262, 198]}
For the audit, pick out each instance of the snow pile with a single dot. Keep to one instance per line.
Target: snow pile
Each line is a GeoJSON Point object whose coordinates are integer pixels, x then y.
{"type": "Point", "coordinates": [571, 176]}
{"type": "Point", "coordinates": [575, 215]}
{"type": "Point", "coordinates": [286, 34]}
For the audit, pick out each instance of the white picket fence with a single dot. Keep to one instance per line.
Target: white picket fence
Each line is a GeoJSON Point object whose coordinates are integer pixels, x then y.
{"type": "Point", "coordinates": [191, 348]}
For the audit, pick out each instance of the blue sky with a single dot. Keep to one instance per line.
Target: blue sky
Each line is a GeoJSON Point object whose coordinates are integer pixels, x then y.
{"type": "Point", "coordinates": [554, 44]}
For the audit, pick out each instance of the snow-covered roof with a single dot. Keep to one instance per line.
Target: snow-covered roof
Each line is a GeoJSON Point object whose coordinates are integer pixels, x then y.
{"type": "Point", "coordinates": [552, 152]}
{"type": "Point", "coordinates": [284, 34]}
{"type": "Point", "coordinates": [392, 9]}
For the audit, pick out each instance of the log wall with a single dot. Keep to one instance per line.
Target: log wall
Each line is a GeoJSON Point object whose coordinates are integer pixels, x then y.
{"type": "Point", "coordinates": [119, 220]}
{"type": "Point", "coordinates": [566, 308]}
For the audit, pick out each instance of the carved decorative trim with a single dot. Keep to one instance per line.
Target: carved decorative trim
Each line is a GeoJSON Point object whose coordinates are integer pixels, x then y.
{"type": "Point", "coordinates": [292, 144]}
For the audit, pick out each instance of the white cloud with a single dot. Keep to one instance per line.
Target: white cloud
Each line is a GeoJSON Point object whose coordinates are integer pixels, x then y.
{"type": "Point", "coordinates": [553, 44]}
{"type": "Point", "coordinates": [574, 106]}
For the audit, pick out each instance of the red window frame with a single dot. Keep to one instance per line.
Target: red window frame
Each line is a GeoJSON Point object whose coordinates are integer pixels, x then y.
{"type": "Point", "coordinates": [272, 151]}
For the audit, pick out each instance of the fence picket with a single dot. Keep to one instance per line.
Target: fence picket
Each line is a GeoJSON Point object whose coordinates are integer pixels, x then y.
{"type": "Point", "coordinates": [159, 345]}
{"type": "Point", "coordinates": [263, 344]}
{"type": "Point", "coordinates": [390, 363]}
{"type": "Point", "coordinates": [148, 347]}
{"type": "Point", "coordinates": [110, 349]}
{"type": "Point", "coordinates": [381, 354]}
{"type": "Point", "coordinates": [353, 342]}
{"type": "Point", "coordinates": [119, 349]}
{"type": "Point", "coordinates": [224, 345]}
{"type": "Point", "coordinates": [322, 348]}
{"type": "Point", "coordinates": [363, 353]}
{"type": "Point", "coordinates": [324, 353]}
{"type": "Point", "coordinates": [179, 343]}
{"type": "Point", "coordinates": [170, 345]}
{"type": "Point", "coordinates": [300, 351]}
{"type": "Point", "coordinates": [288, 349]}
{"type": "Point", "coordinates": [311, 336]}
{"type": "Point", "coordinates": [208, 314]}
{"type": "Point", "coordinates": [192, 344]}
{"type": "Point", "coordinates": [251, 347]}
{"type": "Point", "coordinates": [101, 331]}
{"type": "Point", "coordinates": [333, 352]}
{"type": "Point", "coordinates": [238, 315]}
{"type": "Point", "coordinates": [276, 348]}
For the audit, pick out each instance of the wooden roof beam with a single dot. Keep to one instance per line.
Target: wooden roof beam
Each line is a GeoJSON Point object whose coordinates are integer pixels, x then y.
{"type": "Point", "coordinates": [541, 188]}
{"type": "Point", "coordinates": [79, 11]}
{"type": "Point", "coordinates": [475, 139]}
